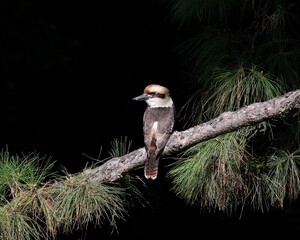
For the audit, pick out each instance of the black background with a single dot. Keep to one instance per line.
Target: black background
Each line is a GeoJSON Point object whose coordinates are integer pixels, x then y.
{"type": "Point", "coordinates": [68, 76]}
{"type": "Point", "coordinates": [69, 73]}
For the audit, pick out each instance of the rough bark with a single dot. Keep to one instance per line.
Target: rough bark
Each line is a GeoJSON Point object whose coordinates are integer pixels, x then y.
{"type": "Point", "coordinates": [278, 107]}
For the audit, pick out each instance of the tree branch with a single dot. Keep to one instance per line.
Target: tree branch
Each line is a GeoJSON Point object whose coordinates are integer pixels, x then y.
{"type": "Point", "coordinates": [278, 107]}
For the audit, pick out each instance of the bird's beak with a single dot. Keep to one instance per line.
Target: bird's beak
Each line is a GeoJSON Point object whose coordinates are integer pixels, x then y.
{"type": "Point", "coordinates": [141, 97]}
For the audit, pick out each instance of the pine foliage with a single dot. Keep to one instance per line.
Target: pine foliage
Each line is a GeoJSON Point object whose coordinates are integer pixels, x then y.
{"type": "Point", "coordinates": [37, 204]}
{"type": "Point", "coordinates": [237, 58]}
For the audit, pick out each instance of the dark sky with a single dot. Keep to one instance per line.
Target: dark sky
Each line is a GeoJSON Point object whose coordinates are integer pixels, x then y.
{"type": "Point", "coordinates": [69, 73]}
{"type": "Point", "coordinates": [68, 76]}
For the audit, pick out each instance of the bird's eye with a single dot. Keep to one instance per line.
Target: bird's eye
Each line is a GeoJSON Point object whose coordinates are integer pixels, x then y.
{"type": "Point", "coordinates": [160, 95]}
{"type": "Point", "coordinates": [157, 95]}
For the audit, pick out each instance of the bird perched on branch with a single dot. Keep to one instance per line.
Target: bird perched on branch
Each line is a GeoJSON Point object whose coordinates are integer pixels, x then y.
{"type": "Point", "coordinates": [158, 122]}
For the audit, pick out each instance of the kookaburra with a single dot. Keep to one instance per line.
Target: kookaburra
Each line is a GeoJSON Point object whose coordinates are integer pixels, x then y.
{"type": "Point", "coordinates": [158, 124]}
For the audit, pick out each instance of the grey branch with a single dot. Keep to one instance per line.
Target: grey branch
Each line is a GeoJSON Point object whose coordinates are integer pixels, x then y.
{"type": "Point", "coordinates": [275, 108]}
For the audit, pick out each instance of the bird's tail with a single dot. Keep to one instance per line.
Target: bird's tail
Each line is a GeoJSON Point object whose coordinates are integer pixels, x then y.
{"type": "Point", "coordinates": [151, 167]}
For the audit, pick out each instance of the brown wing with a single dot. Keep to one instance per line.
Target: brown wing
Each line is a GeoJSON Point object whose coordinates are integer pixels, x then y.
{"type": "Point", "coordinates": [158, 125]}
{"type": "Point", "coordinates": [165, 120]}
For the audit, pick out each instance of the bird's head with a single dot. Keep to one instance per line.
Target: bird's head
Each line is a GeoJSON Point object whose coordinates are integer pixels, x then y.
{"type": "Point", "coordinates": [156, 96]}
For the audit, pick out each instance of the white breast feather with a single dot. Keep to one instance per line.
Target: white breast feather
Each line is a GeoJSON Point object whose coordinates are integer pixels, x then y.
{"type": "Point", "coordinates": [159, 102]}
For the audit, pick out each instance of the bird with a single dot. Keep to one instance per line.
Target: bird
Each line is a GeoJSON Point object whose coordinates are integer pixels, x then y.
{"type": "Point", "coordinates": [158, 123]}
